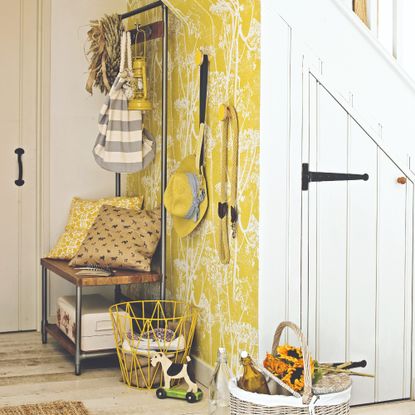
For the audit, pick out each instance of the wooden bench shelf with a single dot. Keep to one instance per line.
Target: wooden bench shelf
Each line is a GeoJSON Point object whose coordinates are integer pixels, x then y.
{"type": "Point", "coordinates": [121, 277]}
{"type": "Point", "coordinates": [66, 343]}
{"type": "Point", "coordinates": [61, 338]}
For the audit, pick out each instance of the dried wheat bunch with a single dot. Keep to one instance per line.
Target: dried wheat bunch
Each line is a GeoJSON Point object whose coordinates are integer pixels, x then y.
{"type": "Point", "coordinates": [104, 39]}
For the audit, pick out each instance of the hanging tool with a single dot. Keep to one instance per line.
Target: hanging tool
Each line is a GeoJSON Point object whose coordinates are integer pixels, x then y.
{"type": "Point", "coordinates": [229, 118]}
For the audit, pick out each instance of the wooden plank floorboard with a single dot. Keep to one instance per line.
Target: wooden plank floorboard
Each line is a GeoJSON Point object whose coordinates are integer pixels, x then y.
{"type": "Point", "coordinates": [10, 353]}
{"type": "Point", "coordinates": [22, 337]}
{"type": "Point", "coordinates": [29, 355]}
{"type": "Point", "coordinates": [26, 357]}
{"type": "Point", "coordinates": [55, 377]}
{"type": "Point", "coordinates": [393, 408]}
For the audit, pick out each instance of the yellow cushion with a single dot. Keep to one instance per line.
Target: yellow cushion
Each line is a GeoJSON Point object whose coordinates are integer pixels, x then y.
{"type": "Point", "coordinates": [82, 215]}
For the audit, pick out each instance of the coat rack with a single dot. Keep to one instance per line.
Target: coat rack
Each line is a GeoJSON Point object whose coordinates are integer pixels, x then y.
{"type": "Point", "coordinates": [156, 30]}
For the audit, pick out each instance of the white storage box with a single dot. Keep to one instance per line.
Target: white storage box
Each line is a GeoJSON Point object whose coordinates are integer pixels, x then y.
{"type": "Point", "coordinates": [96, 328]}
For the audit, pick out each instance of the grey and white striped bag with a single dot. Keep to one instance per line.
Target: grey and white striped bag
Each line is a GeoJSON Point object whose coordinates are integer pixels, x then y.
{"type": "Point", "coordinates": [122, 146]}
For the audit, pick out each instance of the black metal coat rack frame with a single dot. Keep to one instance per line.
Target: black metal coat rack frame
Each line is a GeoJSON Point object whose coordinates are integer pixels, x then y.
{"type": "Point", "coordinates": [156, 34]}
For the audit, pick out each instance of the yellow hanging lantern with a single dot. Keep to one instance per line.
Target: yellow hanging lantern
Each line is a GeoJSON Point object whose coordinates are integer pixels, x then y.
{"type": "Point", "coordinates": [140, 100]}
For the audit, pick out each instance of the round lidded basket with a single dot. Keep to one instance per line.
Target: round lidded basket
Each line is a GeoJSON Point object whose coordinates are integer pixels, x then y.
{"type": "Point", "coordinates": [144, 327]}
{"type": "Point", "coordinates": [244, 403]}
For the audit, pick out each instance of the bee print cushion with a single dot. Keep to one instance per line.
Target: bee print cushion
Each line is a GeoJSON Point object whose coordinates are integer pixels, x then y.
{"type": "Point", "coordinates": [121, 238]}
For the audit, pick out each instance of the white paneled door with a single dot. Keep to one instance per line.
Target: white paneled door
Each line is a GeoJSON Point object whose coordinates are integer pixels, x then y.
{"type": "Point", "coordinates": [358, 264]}
{"type": "Point", "coordinates": [18, 102]}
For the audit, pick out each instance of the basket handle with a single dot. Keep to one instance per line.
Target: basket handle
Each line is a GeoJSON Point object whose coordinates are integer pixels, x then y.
{"type": "Point", "coordinates": [308, 391]}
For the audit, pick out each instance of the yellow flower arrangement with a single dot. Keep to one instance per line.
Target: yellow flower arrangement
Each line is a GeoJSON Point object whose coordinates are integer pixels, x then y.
{"type": "Point", "coordinates": [288, 365]}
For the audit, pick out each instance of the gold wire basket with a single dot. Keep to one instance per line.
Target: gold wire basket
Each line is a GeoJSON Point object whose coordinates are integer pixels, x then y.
{"type": "Point", "coordinates": [142, 328]}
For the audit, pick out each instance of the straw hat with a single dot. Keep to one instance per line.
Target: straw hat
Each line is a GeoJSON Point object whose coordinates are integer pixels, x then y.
{"type": "Point", "coordinates": [185, 197]}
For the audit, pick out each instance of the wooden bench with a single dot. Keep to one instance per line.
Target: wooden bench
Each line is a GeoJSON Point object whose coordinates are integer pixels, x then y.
{"type": "Point", "coordinates": [63, 270]}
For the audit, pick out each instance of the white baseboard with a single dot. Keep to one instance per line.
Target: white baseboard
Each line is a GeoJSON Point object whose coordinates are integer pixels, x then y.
{"type": "Point", "coordinates": [203, 371]}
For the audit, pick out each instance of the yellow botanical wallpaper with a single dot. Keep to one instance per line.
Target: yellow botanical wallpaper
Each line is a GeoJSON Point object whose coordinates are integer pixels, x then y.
{"type": "Point", "coordinates": [229, 32]}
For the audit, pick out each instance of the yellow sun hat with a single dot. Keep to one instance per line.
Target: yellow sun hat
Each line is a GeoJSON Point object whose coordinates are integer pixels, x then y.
{"type": "Point", "coordinates": [185, 197]}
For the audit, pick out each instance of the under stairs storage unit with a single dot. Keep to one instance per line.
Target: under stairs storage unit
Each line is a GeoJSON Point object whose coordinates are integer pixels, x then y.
{"type": "Point", "coordinates": [357, 252]}
{"type": "Point", "coordinates": [339, 253]}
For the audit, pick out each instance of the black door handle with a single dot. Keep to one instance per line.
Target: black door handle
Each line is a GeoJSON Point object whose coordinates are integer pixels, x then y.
{"type": "Point", "coordinates": [19, 151]}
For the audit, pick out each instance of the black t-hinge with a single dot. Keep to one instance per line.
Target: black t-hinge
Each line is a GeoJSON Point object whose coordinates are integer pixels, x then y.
{"type": "Point", "coordinates": [317, 176]}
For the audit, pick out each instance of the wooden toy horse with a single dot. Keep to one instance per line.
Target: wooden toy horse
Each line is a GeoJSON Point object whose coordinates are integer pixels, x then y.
{"type": "Point", "coordinates": [174, 371]}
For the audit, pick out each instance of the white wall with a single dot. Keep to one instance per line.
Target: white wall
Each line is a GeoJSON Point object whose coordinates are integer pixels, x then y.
{"type": "Point", "coordinates": [73, 118]}
{"type": "Point", "coordinates": [274, 161]}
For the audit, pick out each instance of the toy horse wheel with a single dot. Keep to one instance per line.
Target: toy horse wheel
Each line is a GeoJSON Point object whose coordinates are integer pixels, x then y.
{"type": "Point", "coordinates": [161, 393]}
{"type": "Point", "coordinates": [190, 397]}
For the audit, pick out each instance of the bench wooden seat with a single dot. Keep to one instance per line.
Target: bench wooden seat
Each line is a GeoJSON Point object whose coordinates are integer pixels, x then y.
{"type": "Point", "coordinates": [121, 277]}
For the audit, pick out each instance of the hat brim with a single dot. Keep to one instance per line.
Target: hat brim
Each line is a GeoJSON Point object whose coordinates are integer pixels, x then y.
{"type": "Point", "coordinates": [182, 226]}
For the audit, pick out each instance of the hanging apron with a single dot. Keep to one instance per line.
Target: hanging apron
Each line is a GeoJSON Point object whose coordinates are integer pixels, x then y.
{"type": "Point", "coordinates": [122, 146]}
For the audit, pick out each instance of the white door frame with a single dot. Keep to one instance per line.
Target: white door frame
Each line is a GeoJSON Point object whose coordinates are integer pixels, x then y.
{"type": "Point", "coordinates": [43, 139]}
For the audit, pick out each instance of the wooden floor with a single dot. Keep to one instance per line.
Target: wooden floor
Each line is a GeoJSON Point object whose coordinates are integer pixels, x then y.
{"type": "Point", "coordinates": [31, 372]}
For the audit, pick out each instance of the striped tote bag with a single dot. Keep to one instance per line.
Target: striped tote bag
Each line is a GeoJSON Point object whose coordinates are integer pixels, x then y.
{"type": "Point", "coordinates": [122, 146]}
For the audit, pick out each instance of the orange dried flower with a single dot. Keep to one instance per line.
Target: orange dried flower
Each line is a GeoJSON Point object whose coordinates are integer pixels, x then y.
{"type": "Point", "coordinates": [288, 365]}
{"type": "Point", "coordinates": [274, 365]}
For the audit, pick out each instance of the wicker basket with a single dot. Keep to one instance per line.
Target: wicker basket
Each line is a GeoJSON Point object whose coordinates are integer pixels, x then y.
{"type": "Point", "coordinates": [243, 403]}
{"type": "Point", "coordinates": [144, 327]}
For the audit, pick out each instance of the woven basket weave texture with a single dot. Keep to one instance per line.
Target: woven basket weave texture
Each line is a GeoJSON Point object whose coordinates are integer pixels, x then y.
{"type": "Point", "coordinates": [239, 407]}
{"type": "Point", "coordinates": [243, 407]}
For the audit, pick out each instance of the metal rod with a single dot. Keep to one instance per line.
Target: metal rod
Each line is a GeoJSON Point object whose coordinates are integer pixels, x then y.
{"type": "Point", "coordinates": [142, 9]}
{"type": "Point", "coordinates": [117, 184]}
{"type": "Point", "coordinates": [94, 355]}
{"type": "Point", "coordinates": [164, 133]}
{"type": "Point", "coordinates": [117, 290]}
{"type": "Point", "coordinates": [78, 321]}
{"type": "Point", "coordinates": [44, 304]}
{"type": "Point", "coordinates": [164, 152]}
{"type": "Point", "coordinates": [117, 293]}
